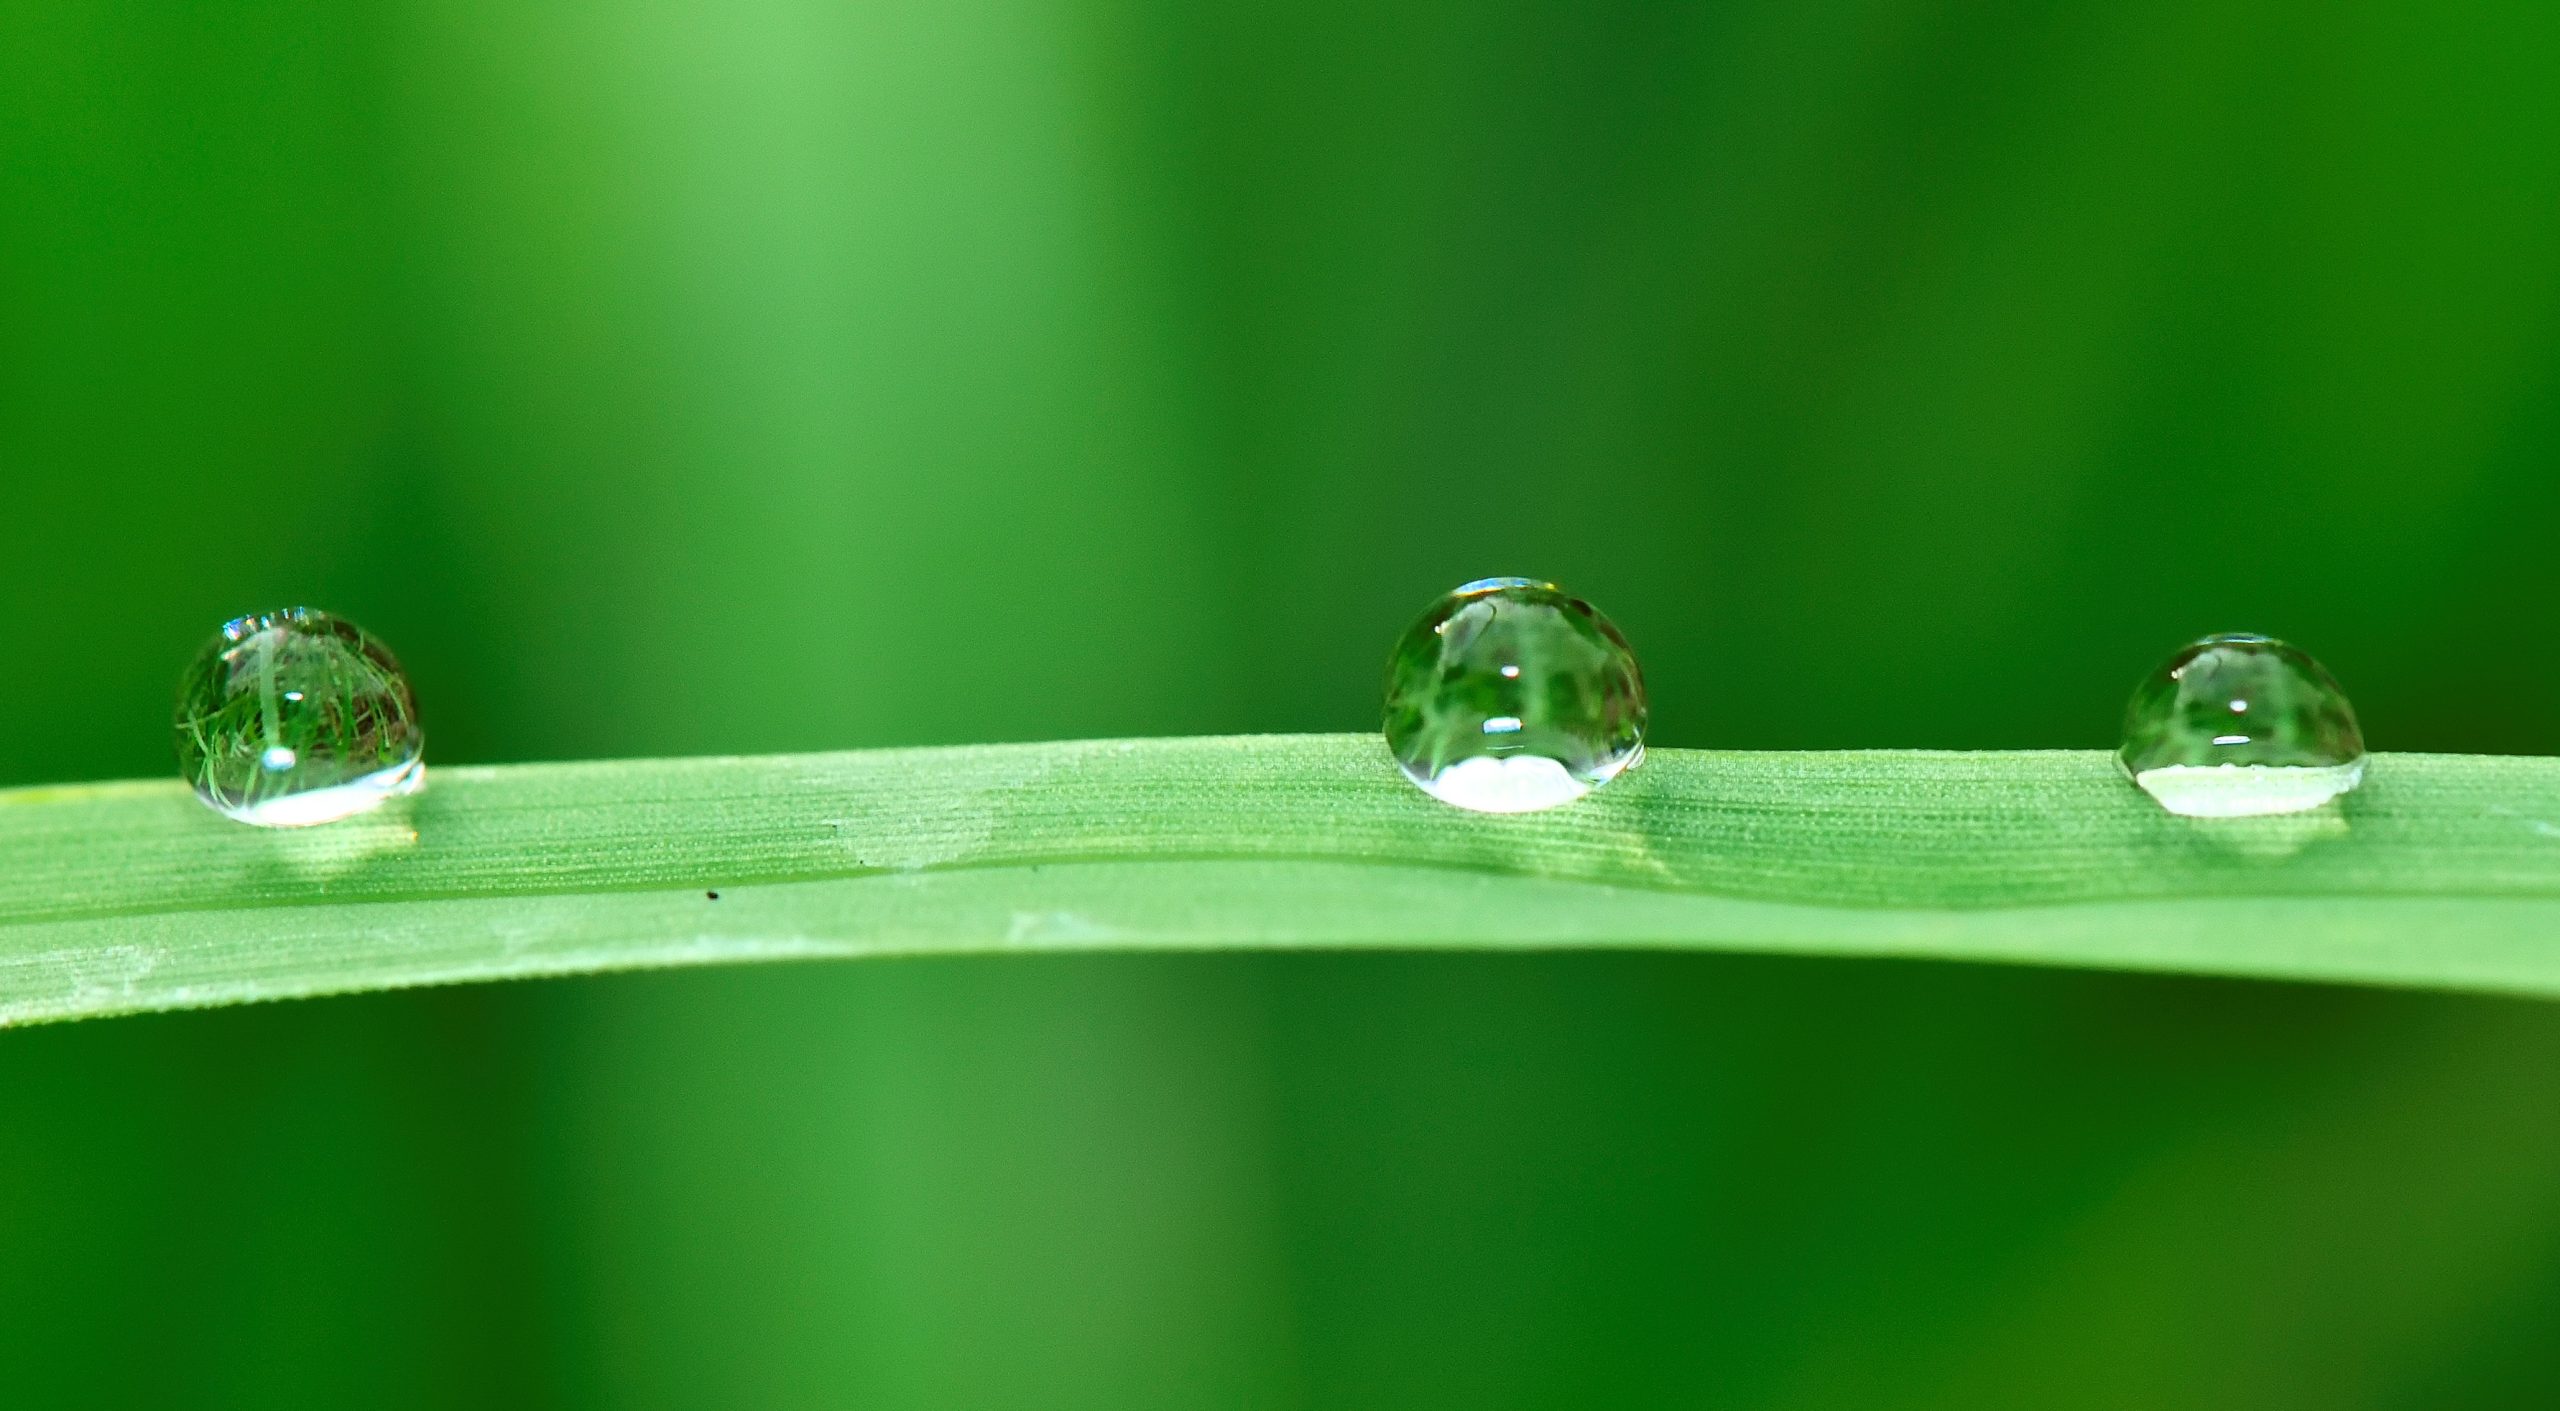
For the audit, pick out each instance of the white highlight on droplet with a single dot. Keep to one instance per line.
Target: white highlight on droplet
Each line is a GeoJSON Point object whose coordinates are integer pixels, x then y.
{"type": "Point", "coordinates": [312, 807]}
{"type": "Point", "coordinates": [1502, 725]}
{"type": "Point", "coordinates": [278, 759]}
{"type": "Point", "coordinates": [1505, 784]}
{"type": "Point", "coordinates": [2247, 790]}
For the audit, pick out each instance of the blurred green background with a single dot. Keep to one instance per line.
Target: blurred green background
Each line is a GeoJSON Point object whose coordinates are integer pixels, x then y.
{"type": "Point", "coordinates": [672, 377]}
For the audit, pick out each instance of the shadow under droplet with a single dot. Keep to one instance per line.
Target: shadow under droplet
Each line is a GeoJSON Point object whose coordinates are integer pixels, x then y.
{"type": "Point", "coordinates": [332, 850]}
{"type": "Point", "coordinates": [2274, 837]}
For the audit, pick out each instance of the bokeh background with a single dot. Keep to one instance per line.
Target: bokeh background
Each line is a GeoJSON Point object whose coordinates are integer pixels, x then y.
{"type": "Point", "coordinates": [675, 377]}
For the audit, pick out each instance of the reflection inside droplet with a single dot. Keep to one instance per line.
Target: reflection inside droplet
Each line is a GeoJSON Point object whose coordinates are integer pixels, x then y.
{"type": "Point", "coordinates": [2294, 743]}
{"type": "Point", "coordinates": [294, 718]}
{"type": "Point", "coordinates": [1510, 696]}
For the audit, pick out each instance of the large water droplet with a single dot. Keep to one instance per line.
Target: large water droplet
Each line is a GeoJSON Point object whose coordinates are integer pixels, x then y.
{"type": "Point", "coordinates": [293, 718]}
{"type": "Point", "coordinates": [2238, 725]}
{"type": "Point", "coordinates": [1509, 696]}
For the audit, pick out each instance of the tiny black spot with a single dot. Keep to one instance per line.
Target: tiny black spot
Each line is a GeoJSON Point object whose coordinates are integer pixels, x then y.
{"type": "Point", "coordinates": [715, 896]}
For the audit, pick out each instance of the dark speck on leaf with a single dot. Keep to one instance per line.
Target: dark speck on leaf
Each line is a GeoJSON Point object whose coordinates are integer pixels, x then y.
{"type": "Point", "coordinates": [714, 896]}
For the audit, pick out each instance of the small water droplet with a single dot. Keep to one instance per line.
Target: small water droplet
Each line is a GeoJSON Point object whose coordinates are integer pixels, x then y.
{"type": "Point", "coordinates": [293, 718]}
{"type": "Point", "coordinates": [2236, 726]}
{"type": "Point", "coordinates": [1509, 696]}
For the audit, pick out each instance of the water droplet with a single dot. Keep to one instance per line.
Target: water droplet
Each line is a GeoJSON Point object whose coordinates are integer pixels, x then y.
{"type": "Point", "coordinates": [2236, 725]}
{"type": "Point", "coordinates": [293, 718]}
{"type": "Point", "coordinates": [1509, 696]}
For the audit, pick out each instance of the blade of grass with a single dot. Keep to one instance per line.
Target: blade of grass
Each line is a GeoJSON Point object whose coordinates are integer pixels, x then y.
{"type": "Point", "coordinates": [2444, 871]}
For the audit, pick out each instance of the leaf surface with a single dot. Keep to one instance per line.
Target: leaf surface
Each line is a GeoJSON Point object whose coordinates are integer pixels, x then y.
{"type": "Point", "coordinates": [2443, 871]}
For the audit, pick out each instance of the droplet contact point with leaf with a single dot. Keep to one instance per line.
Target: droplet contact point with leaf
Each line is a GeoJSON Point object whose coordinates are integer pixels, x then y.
{"type": "Point", "coordinates": [1510, 696]}
{"type": "Point", "coordinates": [2236, 726]}
{"type": "Point", "coordinates": [294, 718]}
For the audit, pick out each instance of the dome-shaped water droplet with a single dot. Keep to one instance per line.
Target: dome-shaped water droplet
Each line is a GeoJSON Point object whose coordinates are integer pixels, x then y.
{"type": "Point", "coordinates": [2237, 725]}
{"type": "Point", "coordinates": [1509, 696]}
{"type": "Point", "coordinates": [293, 718]}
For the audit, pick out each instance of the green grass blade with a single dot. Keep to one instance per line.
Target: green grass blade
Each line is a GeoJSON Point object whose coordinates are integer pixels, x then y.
{"type": "Point", "coordinates": [2444, 871]}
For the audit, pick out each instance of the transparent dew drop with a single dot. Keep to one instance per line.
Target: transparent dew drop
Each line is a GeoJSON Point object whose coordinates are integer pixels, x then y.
{"type": "Point", "coordinates": [1510, 696]}
{"type": "Point", "coordinates": [2235, 725]}
{"type": "Point", "coordinates": [294, 718]}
